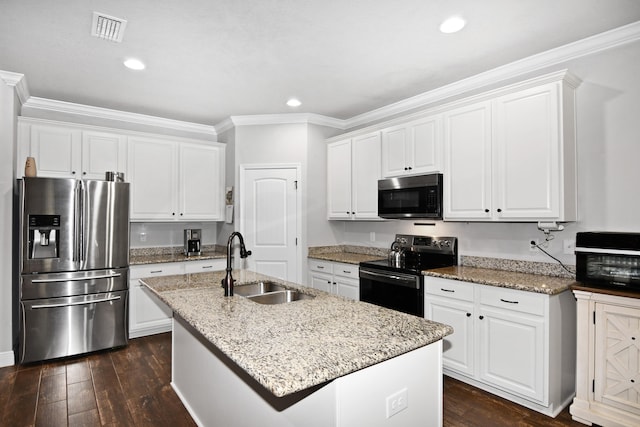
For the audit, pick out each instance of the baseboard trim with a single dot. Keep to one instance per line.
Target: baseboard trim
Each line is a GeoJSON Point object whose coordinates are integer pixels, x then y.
{"type": "Point", "coordinates": [7, 358]}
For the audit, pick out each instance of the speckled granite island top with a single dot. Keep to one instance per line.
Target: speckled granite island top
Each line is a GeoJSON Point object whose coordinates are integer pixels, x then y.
{"type": "Point", "coordinates": [506, 279]}
{"type": "Point", "coordinates": [293, 346]}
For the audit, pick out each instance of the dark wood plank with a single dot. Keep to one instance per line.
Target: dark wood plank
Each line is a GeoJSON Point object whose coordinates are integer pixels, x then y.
{"type": "Point", "coordinates": [84, 419]}
{"type": "Point", "coordinates": [78, 371]}
{"type": "Point", "coordinates": [52, 414]}
{"type": "Point", "coordinates": [113, 408]}
{"type": "Point", "coordinates": [53, 388]}
{"type": "Point", "coordinates": [80, 397]}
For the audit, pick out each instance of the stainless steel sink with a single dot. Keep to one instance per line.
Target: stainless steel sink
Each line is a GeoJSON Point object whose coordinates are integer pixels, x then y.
{"type": "Point", "coordinates": [257, 288]}
{"type": "Point", "coordinates": [280, 297]}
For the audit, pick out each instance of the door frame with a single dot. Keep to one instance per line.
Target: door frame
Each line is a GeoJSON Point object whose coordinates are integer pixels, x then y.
{"type": "Point", "coordinates": [241, 203]}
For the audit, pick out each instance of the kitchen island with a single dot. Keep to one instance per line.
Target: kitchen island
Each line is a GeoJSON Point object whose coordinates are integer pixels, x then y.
{"type": "Point", "coordinates": [325, 361]}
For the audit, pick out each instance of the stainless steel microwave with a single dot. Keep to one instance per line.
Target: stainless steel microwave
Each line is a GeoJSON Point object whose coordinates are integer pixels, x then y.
{"type": "Point", "coordinates": [411, 197]}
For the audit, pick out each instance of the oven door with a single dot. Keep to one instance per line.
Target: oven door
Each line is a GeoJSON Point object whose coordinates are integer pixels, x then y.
{"type": "Point", "coordinates": [397, 291]}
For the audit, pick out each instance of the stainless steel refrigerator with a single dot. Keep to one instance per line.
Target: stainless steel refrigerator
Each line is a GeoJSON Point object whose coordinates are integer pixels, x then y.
{"type": "Point", "coordinates": [74, 263]}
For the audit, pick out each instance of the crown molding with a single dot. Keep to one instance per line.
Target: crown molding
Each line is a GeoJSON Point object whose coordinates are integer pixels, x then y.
{"type": "Point", "coordinates": [123, 116]}
{"type": "Point", "coordinates": [588, 46]}
{"type": "Point", "coordinates": [275, 119]}
{"type": "Point", "coordinates": [18, 81]}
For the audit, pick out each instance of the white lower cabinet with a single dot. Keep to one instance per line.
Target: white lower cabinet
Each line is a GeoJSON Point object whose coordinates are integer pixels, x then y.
{"type": "Point", "coordinates": [335, 278]}
{"type": "Point", "coordinates": [516, 344]}
{"type": "Point", "coordinates": [147, 314]}
{"type": "Point", "coordinates": [608, 366]}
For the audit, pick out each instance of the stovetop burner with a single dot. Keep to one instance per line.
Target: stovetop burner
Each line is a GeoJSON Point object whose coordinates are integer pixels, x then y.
{"type": "Point", "coordinates": [419, 253]}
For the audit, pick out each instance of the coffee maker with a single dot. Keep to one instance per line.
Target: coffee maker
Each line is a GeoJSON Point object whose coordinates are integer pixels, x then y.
{"type": "Point", "coordinates": [192, 241]}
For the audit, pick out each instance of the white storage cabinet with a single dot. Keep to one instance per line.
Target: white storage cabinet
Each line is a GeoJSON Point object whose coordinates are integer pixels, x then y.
{"type": "Point", "coordinates": [176, 180]}
{"type": "Point", "coordinates": [353, 171]}
{"type": "Point", "coordinates": [512, 157]}
{"type": "Point", "coordinates": [515, 344]}
{"type": "Point", "coordinates": [335, 278]}
{"type": "Point", "coordinates": [412, 148]}
{"type": "Point", "coordinates": [608, 366]}
{"type": "Point", "coordinates": [64, 150]}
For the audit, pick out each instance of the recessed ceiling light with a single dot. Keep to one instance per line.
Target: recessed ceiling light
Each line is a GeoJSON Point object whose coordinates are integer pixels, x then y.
{"type": "Point", "coordinates": [134, 64]}
{"type": "Point", "coordinates": [293, 102]}
{"type": "Point", "coordinates": [452, 24]}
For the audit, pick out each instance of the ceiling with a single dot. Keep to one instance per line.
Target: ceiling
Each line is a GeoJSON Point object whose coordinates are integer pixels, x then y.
{"type": "Point", "coordinates": [210, 59]}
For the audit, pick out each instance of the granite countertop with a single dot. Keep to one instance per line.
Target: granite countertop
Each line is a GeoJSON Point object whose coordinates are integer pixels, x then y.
{"type": "Point", "coordinates": [141, 256]}
{"type": "Point", "coordinates": [538, 283]}
{"type": "Point", "coordinates": [291, 347]}
{"type": "Point", "coordinates": [348, 254]}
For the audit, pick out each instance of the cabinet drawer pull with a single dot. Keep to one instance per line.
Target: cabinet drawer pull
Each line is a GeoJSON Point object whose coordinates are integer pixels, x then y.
{"type": "Point", "coordinates": [207, 266]}
{"type": "Point", "coordinates": [447, 290]}
{"type": "Point", "coordinates": [508, 302]}
{"type": "Point", "coordinates": [346, 271]}
{"type": "Point", "coordinates": [320, 267]}
{"type": "Point", "coordinates": [155, 271]}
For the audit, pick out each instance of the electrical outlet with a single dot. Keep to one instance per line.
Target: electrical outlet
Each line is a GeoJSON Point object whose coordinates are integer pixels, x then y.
{"type": "Point", "coordinates": [143, 237]}
{"type": "Point", "coordinates": [372, 236]}
{"type": "Point", "coordinates": [397, 402]}
{"type": "Point", "coordinates": [533, 244]}
{"type": "Point", "coordinates": [569, 246]}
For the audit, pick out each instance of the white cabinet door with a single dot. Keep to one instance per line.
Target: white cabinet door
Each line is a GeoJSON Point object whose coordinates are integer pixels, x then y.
{"type": "Point", "coordinates": [512, 351]}
{"type": "Point", "coordinates": [153, 177]}
{"type": "Point", "coordinates": [395, 158]}
{"type": "Point", "coordinates": [321, 281]}
{"type": "Point", "coordinates": [365, 174]}
{"type": "Point", "coordinates": [339, 180]}
{"type": "Point", "coordinates": [467, 183]}
{"type": "Point", "coordinates": [412, 148]}
{"type": "Point", "coordinates": [458, 349]}
{"type": "Point", "coordinates": [617, 357]}
{"type": "Point", "coordinates": [425, 145]}
{"type": "Point", "coordinates": [57, 150]}
{"type": "Point", "coordinates": [527, 154]}
{"type": "Point", "coordinates": [347, 288]}
{"type": "Point", "coordinates": [201, 182]}
{"type": "Point", "coordinates": [102, 152]}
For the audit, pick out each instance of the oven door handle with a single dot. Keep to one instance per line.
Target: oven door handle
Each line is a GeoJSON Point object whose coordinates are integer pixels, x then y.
{"type": "Point", "coordinates": [392, 279]}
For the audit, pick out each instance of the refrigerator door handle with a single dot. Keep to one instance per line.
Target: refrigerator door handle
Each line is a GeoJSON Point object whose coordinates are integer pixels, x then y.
{"type": "Point", "coordinates": [75, 303]}
{"type": "Point", "coordinates": [81, 214]}
{"type": "Point", "coordinates": [102, 276]}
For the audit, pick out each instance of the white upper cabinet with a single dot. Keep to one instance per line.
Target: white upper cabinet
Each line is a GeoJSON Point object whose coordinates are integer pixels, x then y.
{"type": "Point", "coordinates": [176, 181]}
{"type": "Point", "coordinates": [152, 173]}
{"type": "Point", "coordinates": [467, 182]}
{"type": "Point", "coordinates": [102, 152]}
{"type": "Point", "coordinates": [69, 151]}
{"type": "Point", "coordinates": [412, 148]}
{"type": "Point", "coordinates": [201, 191]}
{"type": "Point", "coordinates": [353, 171]}
{"type": "Point", "coordinates": [512, 158]}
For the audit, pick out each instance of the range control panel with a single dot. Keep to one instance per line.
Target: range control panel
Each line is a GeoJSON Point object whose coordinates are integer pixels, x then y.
{"type": "Point", "coordinates": [414, 243]}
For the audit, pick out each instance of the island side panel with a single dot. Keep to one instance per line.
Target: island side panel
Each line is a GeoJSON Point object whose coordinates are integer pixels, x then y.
{"type": "Point", "coordinates": [362, 396]}
{"type": "Point", "coordinates": [216, 391]}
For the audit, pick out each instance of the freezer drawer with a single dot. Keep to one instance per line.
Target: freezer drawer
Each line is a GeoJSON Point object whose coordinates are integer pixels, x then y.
{"type": "Point", "coordinates": [59, 327]}
{"type": "Point", "coordinates": [52, 285]}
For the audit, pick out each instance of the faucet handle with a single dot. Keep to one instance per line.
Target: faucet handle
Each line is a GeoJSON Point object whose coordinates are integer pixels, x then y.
{"type": "Point", "coordinates": [244, 253]}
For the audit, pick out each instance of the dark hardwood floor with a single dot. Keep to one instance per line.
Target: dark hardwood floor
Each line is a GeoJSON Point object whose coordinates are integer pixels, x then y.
{"type": "Point", "coordinates": [130, 387]}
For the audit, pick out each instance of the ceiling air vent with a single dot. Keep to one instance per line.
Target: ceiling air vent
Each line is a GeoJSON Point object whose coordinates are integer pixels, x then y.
{"type": "Point", "coordinates": [108, 27]}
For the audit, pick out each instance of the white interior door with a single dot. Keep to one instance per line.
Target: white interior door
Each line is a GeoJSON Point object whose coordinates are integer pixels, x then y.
{"type": "Point", "coordinates": [269, 219]}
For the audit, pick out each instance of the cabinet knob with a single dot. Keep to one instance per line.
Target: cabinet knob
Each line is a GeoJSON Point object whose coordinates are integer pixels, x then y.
{"type": "Point", "coordinates": [486, 210]}
{"type": "Point", "coordinates": [481, 317]}
{"type": "Point", "coordinates": [173, 213]}
{"type": "Point", "coordinates": [468, 314]}
{"type": "Point", "coordinates": [409, 168]}
{"type": "Point", "coordinates": [353, 213]}
{"type": "Point", "coordinates": [84, 173]}
{"type": "Point", "coordinates": [405, 168]}
{"type": "Point", "coordinates": [499, 210]}
{"type": "Point", "coordinates": [73, 172]}
{"type": "Point", "coordinates": [181, 213]}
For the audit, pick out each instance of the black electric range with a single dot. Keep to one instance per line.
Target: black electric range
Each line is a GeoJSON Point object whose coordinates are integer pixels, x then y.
{"type": "Point", "coordinates": [397, 282]}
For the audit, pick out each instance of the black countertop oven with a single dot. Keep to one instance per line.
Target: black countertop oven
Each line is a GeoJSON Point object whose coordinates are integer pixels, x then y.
{"type": "Point", "coordinates": [608, 259]}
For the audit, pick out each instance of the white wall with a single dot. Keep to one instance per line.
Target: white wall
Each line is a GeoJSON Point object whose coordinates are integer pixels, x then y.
{"type": "Point", "coordinates": [9, 107]}
{"type": "Point", "coordinates": [608, 149]}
